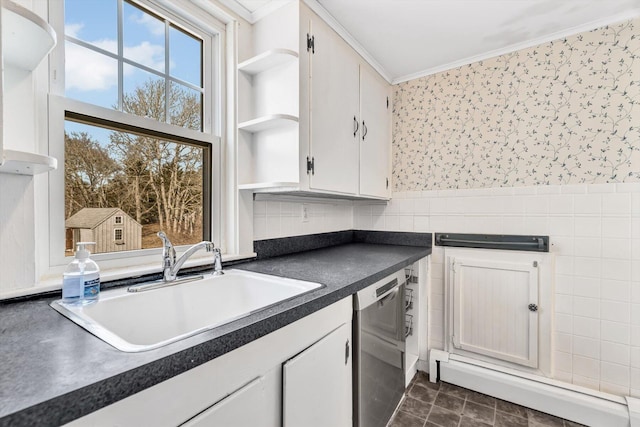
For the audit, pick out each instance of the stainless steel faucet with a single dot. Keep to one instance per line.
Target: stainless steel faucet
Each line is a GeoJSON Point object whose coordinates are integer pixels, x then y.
{"type": "Point", "coordinates": [170, 266]}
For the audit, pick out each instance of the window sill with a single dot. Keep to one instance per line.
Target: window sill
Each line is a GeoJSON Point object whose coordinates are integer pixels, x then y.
{"type": "Point", "coordinates": [54, 282]}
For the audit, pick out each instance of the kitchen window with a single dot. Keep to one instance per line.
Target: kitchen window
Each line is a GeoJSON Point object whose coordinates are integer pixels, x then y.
{"type": "Point", "coordinates": [139, 109]}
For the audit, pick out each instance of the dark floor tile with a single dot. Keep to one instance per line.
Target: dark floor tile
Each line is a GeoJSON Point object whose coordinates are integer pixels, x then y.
{"type": "Point", "coordinates": [541, 418]}
{"type": "Point", "coordinates": [481, 399]}
{"type": "Point", "coordinates": [479, 412]}
{"type": "Point", "coordinates": [428, 424]}
{"type": "Point", "coordinates": [470, 422]}
{"type": "Point", "coordinates": [423, 379]}
{"type": "Point", "coordinates": [443, 417]}
{"type": "Point", "coordinates": [511, 408]}
{"type": "Point", "coordinates": [402, 419]}
{"type": "Point", "coordinates": [447, 401]}
{"type": "Point", "coordinates": [509, 420]}
{"type": "Point", "coordinates": [423, 393]}
{"type": "Point", "coordinates": [416, 407]}
{"type": "Point", "coordinates": [454, 390]}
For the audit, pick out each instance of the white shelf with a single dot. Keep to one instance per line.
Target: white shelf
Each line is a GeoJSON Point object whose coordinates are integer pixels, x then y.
{"type": "Point", "coordinates": [267, 185]}
{"type": "Point", "coordinates": [26, 38]}
{"type": "Point", "coordinates": [271, 121]}
{"type": "Point", "coordinates": [267, 60]}
{"type": "Point", "coordinates": [23, 163]}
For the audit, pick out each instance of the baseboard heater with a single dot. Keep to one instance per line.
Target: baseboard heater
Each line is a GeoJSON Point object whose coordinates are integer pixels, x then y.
{"type": "Point", "coordinates": [574, 403]}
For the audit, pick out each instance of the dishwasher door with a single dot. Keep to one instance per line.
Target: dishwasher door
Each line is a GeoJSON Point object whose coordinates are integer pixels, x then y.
{"type": "Point", "coordinates": [379, 340]}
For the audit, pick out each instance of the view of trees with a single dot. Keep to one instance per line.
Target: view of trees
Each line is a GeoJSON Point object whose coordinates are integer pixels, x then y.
{"type": "Point", "coordinates": [156, 182]}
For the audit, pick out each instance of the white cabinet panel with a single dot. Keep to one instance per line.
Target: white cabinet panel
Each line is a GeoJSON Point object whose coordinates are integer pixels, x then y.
{"type": "Point", "coordinates": [317, 383]}
{"type": "Point", "coordinates": [333, 112]}
{"type": "Point", "coordinates": [494, 308]}
{"type": "Point", "coordinates": [375, 134]}
{"type": "Point", "coordinates": [252, 405]}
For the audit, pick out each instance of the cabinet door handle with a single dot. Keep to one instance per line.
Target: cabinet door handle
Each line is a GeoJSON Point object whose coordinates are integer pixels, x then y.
{"type": "Point", "coordinates": [357, 126]}
{"type": "Point", "coordinates": [364, 130]}
{"type": "Point", "coordinates": [346, 352]}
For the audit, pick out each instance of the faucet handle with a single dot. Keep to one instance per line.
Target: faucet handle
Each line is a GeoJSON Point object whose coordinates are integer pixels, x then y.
{"type": "Point", "coordinates": [217, 262]}
{"type": "Point", "coordinates": [168, 252]}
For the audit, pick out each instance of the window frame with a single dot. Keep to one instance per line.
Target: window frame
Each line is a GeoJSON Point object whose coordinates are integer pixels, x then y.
{"type": "Point", "coordinates": [214, 36]}
{"type": "Point", "coordinates": [115, 234]}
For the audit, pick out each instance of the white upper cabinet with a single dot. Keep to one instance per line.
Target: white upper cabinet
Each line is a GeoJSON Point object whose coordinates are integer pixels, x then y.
{"type": "Point", "coordinates": [375, 135]}
{"type": "Point", "coordinates": [303, 97]}
{"type": "Point", "coordinates": [334, 112]}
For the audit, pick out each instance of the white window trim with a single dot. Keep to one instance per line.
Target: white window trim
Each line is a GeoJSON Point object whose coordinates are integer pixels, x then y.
{"type": "Point", "coordinates": [118, 219]}
{"type": "Point", "coordinates": [115, 233]}
{"type": "Point", "coordinates": [51, 261]}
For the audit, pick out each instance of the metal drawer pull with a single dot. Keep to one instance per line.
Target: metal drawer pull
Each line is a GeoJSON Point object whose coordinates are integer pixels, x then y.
{"type": "Point", "coordinates": [355, 121]}
{"type": "Point", "coordinates": [364, 129]}
{"type": "Point", "coordinates": [533, 307]}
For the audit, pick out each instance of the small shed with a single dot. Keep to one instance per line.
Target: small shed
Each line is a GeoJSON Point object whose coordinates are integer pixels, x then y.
{"type": "Point", "coordinates": [111, 228]}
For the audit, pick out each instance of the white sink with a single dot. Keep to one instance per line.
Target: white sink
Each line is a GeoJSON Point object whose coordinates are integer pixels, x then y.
{"type": "Point", "coordinates": [139, 321]}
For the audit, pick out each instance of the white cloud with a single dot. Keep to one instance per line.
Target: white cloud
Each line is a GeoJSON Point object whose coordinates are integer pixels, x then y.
{"type": "Point", "coordinates": [154, 26]}
{"type": "Point", "coordinates": [87, 71]}
{"type": "Point", "coordinates": [73, 29]}
{"type": "Point", "coordinates": [148, 54]}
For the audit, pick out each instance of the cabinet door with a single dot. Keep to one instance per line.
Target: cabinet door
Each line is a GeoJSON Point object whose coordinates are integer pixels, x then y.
{"type": "Point", "coordinates": [375, 134]}
{"type": "Point", "coordinates": [252, 405]}
{"type": "Point", "coordinates": [333, 112]}
{"type": "Point", "coordinates": [495, 309]}
{"type": "Point", "coordinates": [317, 383]}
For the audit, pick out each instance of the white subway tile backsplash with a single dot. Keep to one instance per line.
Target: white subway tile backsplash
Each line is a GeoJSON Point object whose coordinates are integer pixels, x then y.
{"type": "Point", "coordinates": [616, 248]}
{"type": "Point", "coordinates": [586, 307]}
{"type": "Point", "coordinates": [588, 226]}
{"type": "Point", "coordinates": [615, 353]}
{"type": "Point", "coordinates": [587, 246]}
{"type": "Point", "coordinates": [421, 224]}
{"type": "Point", "coordinates": [615, 290]}
{"type": "Point", "coordinates": [616, 204]}
{"type": "Point", "coordinates": [615, 332]}
{"type": "Point", "coordinates": [586, 327]}
{"type": "Point", "coordinates": [587, 267]}
{"type": "Point", "coordinates": [391, 223]}
{"type": "Point", "coordinates": [421, 206]}
{"type": "Point", "coordinates": [607, 387]}
{"type": "Point", "coordinates": [601, 188]}
{"type": "Point", "coordinates": [615, 374]}
{"type": "Point", "coordinates": [586, 367]}
{"type": "Point", "coordinates": [587, 204]}
{"type": "Point", "coordinates": [615, 311]}
{"type": "Point", "coordinates": [405, 223]}
{"type": "Point", "coordinates": [564, 361]}
{"type": "Point", "coordinates": [593, 383]}
{"type": "Point", "coordinates": [561, 204]}
{"type": "Point", "coordinates": [616, 227]}
{"type": "Point", "coordinates": [561, 226]}
{"type": "Point", "coordinates": [536, 205]}
{"type": "Point", "coordinates": [635, 357]}
{"type": "Point", "coordinates": [564, 284]}
{"type": "Point", "coordinates": [586, 287]}
{"type": "Point", "coordinates": [587, 347]}
{"type": "Point", "coordinates": [563, 342]}
{"type": "Point", "coordinates": [616, 269]}
{"type": "Point", "coordinates": [564, 323]}
{"type": "Point", "coordinates": [548, 189]}
{"type": "Point", "coordinates": [564, 304]}
{"type": "Point", "coordinates": [635, 249]}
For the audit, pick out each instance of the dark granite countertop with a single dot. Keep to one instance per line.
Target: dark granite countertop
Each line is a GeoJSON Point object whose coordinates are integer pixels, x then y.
{"type": "Point", "coordinates": [53, 371]}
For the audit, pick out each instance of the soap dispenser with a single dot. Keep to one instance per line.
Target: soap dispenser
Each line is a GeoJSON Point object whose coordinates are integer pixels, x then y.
{"type": "Point", "coordinates": [81, 279]}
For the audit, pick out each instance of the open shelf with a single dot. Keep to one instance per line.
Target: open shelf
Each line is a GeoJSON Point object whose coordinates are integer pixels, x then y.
{"type": "Point", "coordinates": [267, 185]}
{"type": "Point", "coordinates": [23, 163]}
{"type": "Point", "coordinates": [271, 121]}
{"type": "Point", "coordinates": [267, 60]}
{"type": "Point", "coordinates": [26, 38]}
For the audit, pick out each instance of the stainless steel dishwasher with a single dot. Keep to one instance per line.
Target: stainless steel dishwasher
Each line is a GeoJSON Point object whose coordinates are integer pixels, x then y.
{"type": "Point", "coordinates": [379, 346]}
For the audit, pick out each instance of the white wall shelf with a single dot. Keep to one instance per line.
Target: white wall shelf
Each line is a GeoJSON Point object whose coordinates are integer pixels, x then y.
{"type": "Point", "coordinates": [267, 60]}
{"type": "Point", "coordinates": [26, 38]}
{"type": "Point", "coordinates": [267, 185]}
{"type": "Point", "coordinates": [271, 121]}
{"type": "Point", "coordinates": [22, 163]}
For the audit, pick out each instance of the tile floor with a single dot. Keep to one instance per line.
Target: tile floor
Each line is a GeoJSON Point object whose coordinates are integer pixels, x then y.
{"type": "Point", "coordinates": [446, 405]}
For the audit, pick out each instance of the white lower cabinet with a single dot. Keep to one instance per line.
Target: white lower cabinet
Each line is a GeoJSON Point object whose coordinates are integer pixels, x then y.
{"type": "Point", "coordinates": [317, 383]}
{"type": "Point", "coordinates": [308, 362]}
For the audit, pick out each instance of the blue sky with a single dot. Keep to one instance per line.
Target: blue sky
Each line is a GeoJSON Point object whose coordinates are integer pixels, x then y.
{"type": "Point", "coordinates": [93, 77]}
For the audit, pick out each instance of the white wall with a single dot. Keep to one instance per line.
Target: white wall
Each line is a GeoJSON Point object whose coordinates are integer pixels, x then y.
{"type": "Point", "coordinates": [595, 234]}
{"type": "Point", "coordinates": [283, 218]}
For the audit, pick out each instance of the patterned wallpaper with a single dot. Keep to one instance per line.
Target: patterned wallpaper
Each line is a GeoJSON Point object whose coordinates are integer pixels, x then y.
{"type": "Point", "coordinates": [565, 112]}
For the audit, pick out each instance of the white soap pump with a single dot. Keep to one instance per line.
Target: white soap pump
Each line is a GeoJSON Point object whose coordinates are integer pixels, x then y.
{"type": "Point", "coordinates": [81, 279]}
